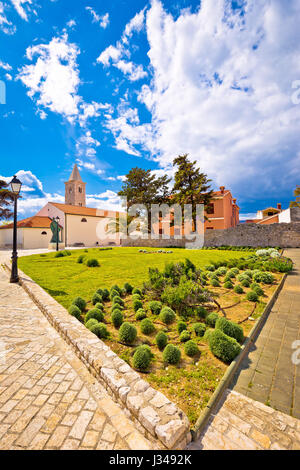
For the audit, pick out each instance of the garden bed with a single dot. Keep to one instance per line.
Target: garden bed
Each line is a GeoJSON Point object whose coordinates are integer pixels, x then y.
{"type": "Point", "coordinates": [192, 381]}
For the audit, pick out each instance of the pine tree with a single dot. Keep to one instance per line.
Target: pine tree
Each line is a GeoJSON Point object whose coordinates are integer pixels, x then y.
{"type": "Point", "coordinates": [6, 199]}
{"type": "Point", "coordinates": [191, 186]}
{"type": "Point", "coordinates": [296, 203]}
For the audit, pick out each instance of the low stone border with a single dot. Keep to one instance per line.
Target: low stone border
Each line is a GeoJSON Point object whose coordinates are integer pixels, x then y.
{"type": "Point", "coordinates": [154, 414]}
{"type": "Point", "coordinates": [230, 372]}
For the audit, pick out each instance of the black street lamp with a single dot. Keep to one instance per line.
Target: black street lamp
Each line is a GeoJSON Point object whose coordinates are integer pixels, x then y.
{"type": "Point", "coordinates": [57, 233]}
{"type": "Point", "coordinates": [15, 189]}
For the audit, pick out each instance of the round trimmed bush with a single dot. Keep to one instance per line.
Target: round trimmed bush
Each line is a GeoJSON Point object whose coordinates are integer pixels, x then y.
{"type": "Point", "coordinates": [201, 312]}
{"type": "Point", "coordinates": [114, 293]}
{"type": "Point", "coordinates": [253, 285]}
{"type": "Point", "coordinates": [80, 303]}
{"type": "Point", "coordinates": [91, 323]}
{"type": "Point", "coordinates": [127, 333]}
{"type": "Point", "coordinates": [230, 329]}
{"type": "Point", "coordinates": [235, 271]}
{"type": "Point", "coordinates": [222, 346]}
{"type": "Point", "coordinates": [136, 297]}
{"type": "Point", "coordinates": [117, 300]}
{"type": "Point", "coordinates": [252, 296]}
{"type": "Point", "coordinates": [191, 348]}
{"type": "Point", "coordinates": [228, 285]}
{"type": "Point", "coordinates": [137, 304]}
{"type": "Point", "coordinates": [142, 358]}
{"type": "Point", "coordinates": [137, 291]}
{"type": "Point", "coordinates": [181, 326]}
{"type": "Point", "coordinates": [99, 291]}
{"type": "Point", "coordinates": [100, 306]}
{"type": "Point", "coordinates": [221, 271]}
{"type": "Point", "coordinates": [155, 307]}
{"type": "Point", "coordinates": [238, 290]}
{"type": "Point", "coordinates": [96, 299]}
{"type": "Point", "coordinates": [117, 288]}
{"type": "Point", "coordinates": [264, 277]}
{"type": "Point", "coordinates": [94, 313]}
{"type": "Point", "coordinates": [167, 315]}
{"type": "Point", "coordinates": [171, 354]}
{"type": "Point", "coordinates": [212, 319]}
{"type": "Point", "coordinates": [185, 336]}
{"type": "Point", "coordinates": [215, 283]}
{"type": "Point", "coordinates": [210, 268]}
{"type": "Point", "coordinates": [128, 288]}
{"type": "Point", "coordinates": [161, 340]}
{"type": "Point", "coordinates": [258, 290]}
{"type": "Point", "coordinates": [229, 275]}
{"type": "Point", "coordinates": [92, 263]}
{"type": "Point", "coordinates": [245, 283]}
{"type": "Point", "coordinates": [117, 318]}
{"type": "Point", "coordinates": [100, 330]}
{"type": "Point", "coordinates": [199, 329]}
{"type": "Point", "coordinates": [75, 311]}
{"type": "Point", "coordinates": [140, 314]}
{"type": "Point", "coordinates": [147, 326]}
{"type": "Point", "coordinates": [249, 273]}
{"type": "Point", "coordinates": [80, 259]}
{"type": "Point", "coordinates": [105, 294]}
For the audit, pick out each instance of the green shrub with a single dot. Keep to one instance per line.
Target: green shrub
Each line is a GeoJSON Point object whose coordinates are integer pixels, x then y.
{"type": "Point", "coordinates": [155, 307]}
{"type": "Point", "coordinates": [128, 288]}
{"type": "Point", "coordinates": [99, 305]}
{"type": "Point", "coordinates": [215, 283]}
{"type": "Point", "coordinates": [92, 263]}
{"type": "Point", "coordinates": [80, 259]}
{"type": "Point", "coordinates": [235, 271]}
{"type": "Point", "coordinates": [245, 283]}
{"type": "Point", "coordinates": [137, 304]}
{"type": "Point", "coordinates": [201, 312]}
{"type": "Point", "coordinates": [185, 336]}
{"type": "Point", "coordinates": [137, 291]}
{"type": "Point", "coordinates": [127, 333]}
{"type": "Point", "coordinates": [96, 299]}
{"type": "Point", "coordinates": [210, 268]}
{"type": "Point", "coordinates": [230, 329]}
{"type": "Point", "coordinates": [212, 319]}
{"type": "Point", "coordinates": [140, 314]}
{"type": "Point", "coordinates": [117, 288]}
{"type": "Point", "coordinates": [167, 315]}
{"type": "Point", "coordinates": [114, 293]}
{"type": "Point", "coordinates": [171, 354]}
{"type": "Point", "coordinates": [94, 313]}
{"type": "Point", "coordinates": [91, 323]}
{"type": "Point", "coordinates": [117, 318]}
{"type": "Point", "coordinates": [117, 300]}
{"type": "Point", "coordinates": [142, 358]}
{"type": "Point", "coordinates": [191, 348]}
{"type": "Point", "coordinates": [136, 297]}
{"type": "Point", "coordinates": [147, 326]}
{"type": "Point", "coordinates": [223, 347]}
{"type": "Point", "coordinates": [264, 277]}
{"type": "Point", "coordinates": [181, 326]}
{"type": "Point", "coordinates": [249, 273]}
{"type": "Point", "coordinates": [75, 311]}
{"type": "Point", "coordinates": [59, 254]}
{"type": "Point", "coordinates": [228, 285]}
{"type": "Point", "coordinates": [243, 277]}
{"type": "Point", "coordinates": [258, 290]}
{"type": "Point", "coordinates": [254, 285]}
{"type": "Point", "coordinates": [238, 290]}
{"type": "Point", "coordinates": [161, 340]}
{"type": "Point", "coordinates": [105, 294]}
{"type": "Point", "coordinates": [80, 303]}
{"type": "Point", "coordinates": [100, 330]}
{"type": "Point", "coordinates": [252, 296]}
{"type": "Point", "coordinates": [229, 275]}
{"type": "Point", "coordinates": [221, 271]}
{"type": "Point", "coordinates": [199, 329]}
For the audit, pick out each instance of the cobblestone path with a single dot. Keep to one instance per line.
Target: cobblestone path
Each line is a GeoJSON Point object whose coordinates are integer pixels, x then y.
{"type": "Point", "coordinates": [48, 399]}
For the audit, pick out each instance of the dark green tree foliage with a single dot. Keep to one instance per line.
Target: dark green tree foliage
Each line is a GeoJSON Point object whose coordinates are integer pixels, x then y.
{"type": "Point", "coordinates": [191, 186]}
{"type": "Point", "coordinates": [296, 203]}
{"type": "Point", "coordinates": [6, 199]}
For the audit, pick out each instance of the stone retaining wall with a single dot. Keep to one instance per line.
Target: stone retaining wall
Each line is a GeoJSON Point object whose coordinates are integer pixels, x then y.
{"type": "Point", "coordinates": [154, 414]}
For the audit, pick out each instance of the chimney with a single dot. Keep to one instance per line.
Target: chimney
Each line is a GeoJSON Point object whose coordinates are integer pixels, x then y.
{"type": "Point", "coordinates": [279, 206]}
{"type": "Point", "coordinates": [222, 188]}
{"type": "Point", "coordinates": [234, 201]}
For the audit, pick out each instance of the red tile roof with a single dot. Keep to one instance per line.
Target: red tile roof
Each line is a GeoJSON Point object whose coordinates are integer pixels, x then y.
{"type": "Point", "coordinates": [31, 222]}
{"type": "Point", "coordinates": [79, 210]}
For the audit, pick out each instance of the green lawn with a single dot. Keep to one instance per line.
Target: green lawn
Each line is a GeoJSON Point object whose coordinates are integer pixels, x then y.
{"type": "Point", "coordinates": [64, 278]}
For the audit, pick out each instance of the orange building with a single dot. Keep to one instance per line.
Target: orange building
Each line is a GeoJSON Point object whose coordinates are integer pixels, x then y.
{"type": "Point", "coordinates": [267, 216]}
{"type": "Point", "coordinates": [223, 211]}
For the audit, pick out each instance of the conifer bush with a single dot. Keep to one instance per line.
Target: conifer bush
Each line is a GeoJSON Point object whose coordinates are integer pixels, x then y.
{"type": "Point", "coordinates": [105, 294]}
{"type": "Point", "coordinates": [181, 326]}
{"type": "Point", "coordinates": [191, 348]}
{"type": "Point", "coordinates": [252, 296]}
{"type": "Point", "coordinates": [171, 354]}
{"type": "Point", "coordinates": [137, 304]}
{"type": "Point", "coordinates": [155, 307]}
{"type": "Point", "coordinates": [128, 288]}
{"type": "Point", "coordinates": [75, 311]}
{"type": "Point", "coordinates": [94, 313]}
{"type": "Point", "coordinates": [185, 336]}
{"type": "Point", "coordinates": [91, 323]}
{"type": "Point", "coordinates": [140, 314]}
{"type": "Point", "coordinates": [161, 340]}
{"type": "Point", "coordinates": [167, 315]}
{"type": "Point", "coordinates": [92, 263]}
{"type": "Point", "coordinates": [80, 303]}
{"type": "Point", "coordinates": [137, 291]}
{"type": "Point", "coordinates": [100, 330]}
{"type": "Point", "coordinates": [96, 299]}
{"type": "Point", "coordinates": [147, 326]}
{"type": "Point", "coordinates": [199, 329]}
{"type": "Point", "coordinates": [142, 358]}
{"type": "Point", "coordinates": [117, 318]}
{"type": "Point", "coordinates": [211, 319]}
{"type": "Point", "coordinates": [230, 329]}
{"type": "Point", "coordinates": [223, 347]}
{"type": "Point", "coordinates": [127, 333]}
{"type": "Point", "coordinates": [238, 289]}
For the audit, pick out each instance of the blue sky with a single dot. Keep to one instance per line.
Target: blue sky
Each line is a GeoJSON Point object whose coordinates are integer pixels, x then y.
{"type": "Point", "coordinates": [117, 84]}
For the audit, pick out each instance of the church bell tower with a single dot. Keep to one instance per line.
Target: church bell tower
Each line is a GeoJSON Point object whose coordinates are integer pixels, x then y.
{"type": "Point", "coordinates": [75, 189]}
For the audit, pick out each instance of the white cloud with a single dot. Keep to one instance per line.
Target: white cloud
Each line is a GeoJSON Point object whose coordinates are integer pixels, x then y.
{"type": "Point", "coordinates": [136, 24]}
{"type": "Point", "coordinates": [5, 25]}
{"type": "Point", "coordinates": [71, 24]}
{"type": "Point", "coordinates": [23, 7]}
{"type": "Point", "coordinates": [103, 20]}
{"type": "Point", "coordinates": [218, 93]}
{"type": "Point", "coordinates": [5, 66]}
{"type": "Point", "coordinates": [109, 200]}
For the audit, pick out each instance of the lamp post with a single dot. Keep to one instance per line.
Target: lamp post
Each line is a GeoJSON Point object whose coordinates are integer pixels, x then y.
{"type": "Point", "coordinates": [15, 189]}
{"type": "Point", "coordinates": [57, 234]}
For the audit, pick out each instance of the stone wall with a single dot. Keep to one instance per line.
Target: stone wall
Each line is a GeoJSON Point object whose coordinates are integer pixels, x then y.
{"type": "Point", "coordinates": [283, 235]}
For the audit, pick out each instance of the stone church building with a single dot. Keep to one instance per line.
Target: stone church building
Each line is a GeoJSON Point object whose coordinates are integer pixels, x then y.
{"type": "Point", "coordinates": [81, 225]}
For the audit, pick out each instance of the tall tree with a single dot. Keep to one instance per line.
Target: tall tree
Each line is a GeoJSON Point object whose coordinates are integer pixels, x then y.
{"type": "Point", "coordinates": [6, 199]}
{"type": "Point", "coordinates": [296, 203]}
{"type": "Point", "coordinates": [143, 187]}
{"type": "Point", "coordinates": [191, 186]}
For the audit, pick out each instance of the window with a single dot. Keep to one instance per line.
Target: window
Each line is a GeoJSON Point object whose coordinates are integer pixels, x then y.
{"type": "Point", "coordinates": [83, 220]}
{"type": "Point", "coordinates": [44, 233]}
{"type": "Point", "coordinates": [209, 228]}
{"type": "Point", "coordinates": [160, 231]}
{"type": "Point", "coordinates": [80, 190]}
{"type": "Point", "coordinates": [210, 209]}
{"type": "Point", "coordinates": [70, 190]}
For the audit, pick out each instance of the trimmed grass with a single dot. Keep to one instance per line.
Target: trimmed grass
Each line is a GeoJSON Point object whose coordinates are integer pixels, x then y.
{"type": "Point", "coordinates": [64, 278]}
